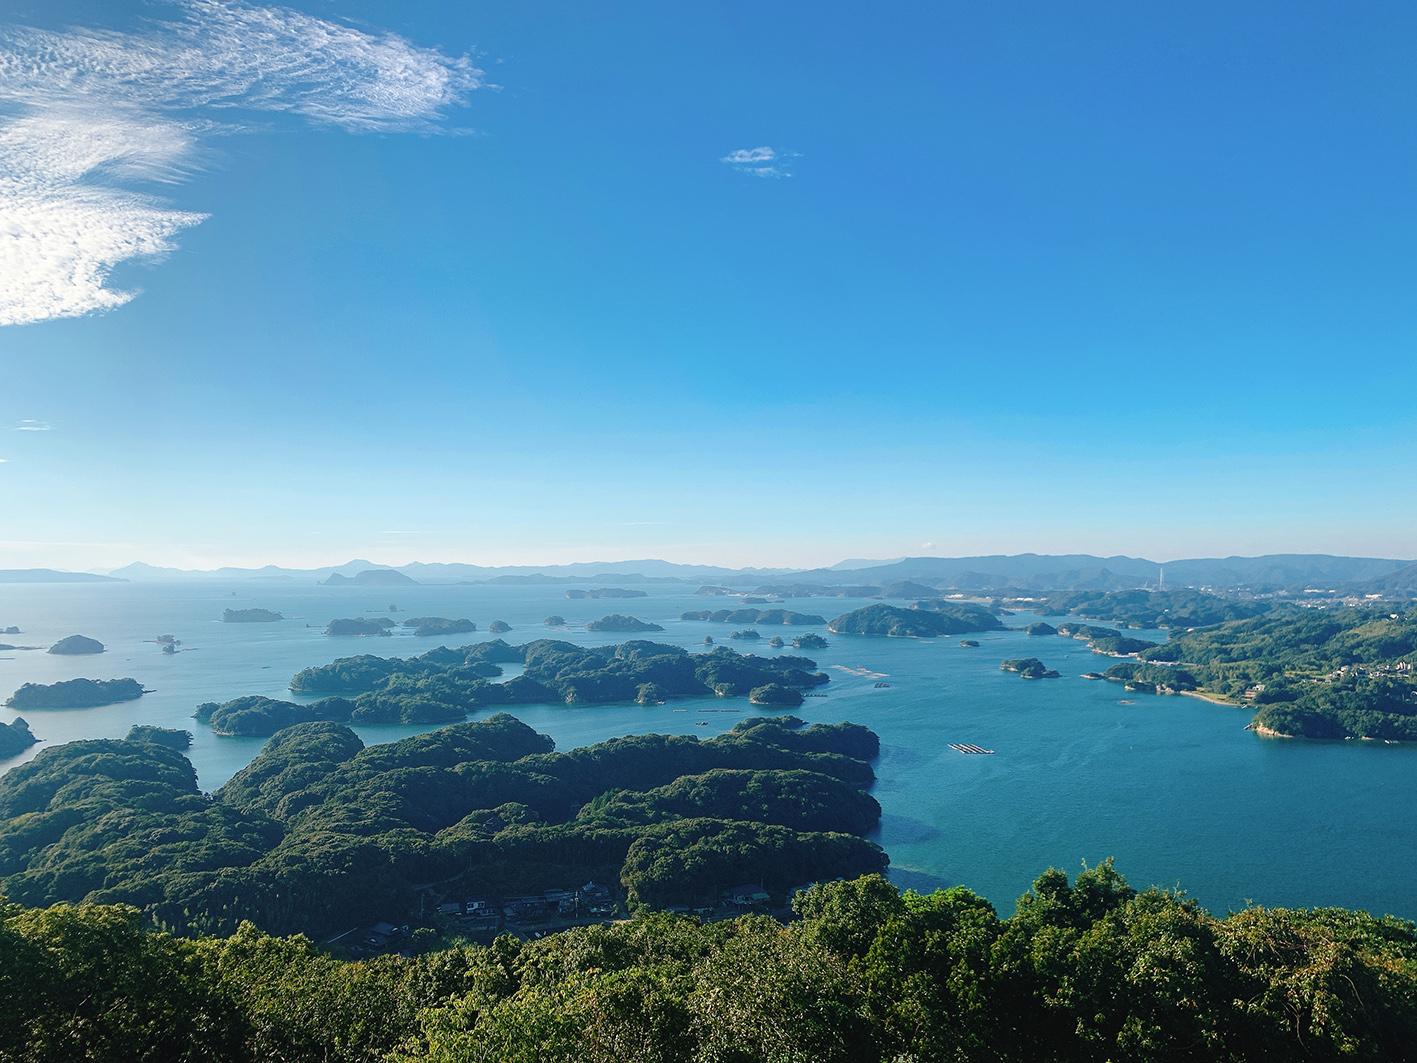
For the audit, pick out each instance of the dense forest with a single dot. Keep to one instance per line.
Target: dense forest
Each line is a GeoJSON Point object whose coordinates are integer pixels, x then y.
{"type": "Point", "coordinates": [1178, 609]}
{"type": "Point", "coordinates": [318, 833]}
{"type": "Point", "coordinates": [929, 619]}
{"type": "Point", "coordinates": [446, 684]}
{"type": "Point", "coordinates": [1084, 970]}
{"type": "Point", "coordinates": [1312, 672]}
{"type": "Point", "coordinates": [75, 694]}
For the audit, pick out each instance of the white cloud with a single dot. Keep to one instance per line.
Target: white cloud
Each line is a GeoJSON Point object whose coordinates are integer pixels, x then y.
{"type": "Point", "coordinates": [31, 425]}
{"type": "Point", "coordinates": [761, 162]}
{"type": "Point", "coordinates": [92, 112]}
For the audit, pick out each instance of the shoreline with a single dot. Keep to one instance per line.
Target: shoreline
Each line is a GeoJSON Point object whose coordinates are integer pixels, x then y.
{"type": "Point", "coordinates": [1214, 699]}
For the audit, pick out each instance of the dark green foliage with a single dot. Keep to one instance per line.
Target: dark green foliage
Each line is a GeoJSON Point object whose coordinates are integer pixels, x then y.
{"type": "Point", "coordinates": [359, 627]}
{"type": "Point", "coordinates": [554, 671]}
{"type": "Point", "coordinates": [801, 800]}
{"type": "Point", "coordinates": [437, 625]}
{"type": "Point", "coordinates": [809, 642]}
{"type": "Point", "coordinates": [928, 621]}
{"type": "Point", "coordinates": [1028, 668]}
{"type": "Point", "coordinates": [1166, 609]}
{"type": "Point", "coordinates": [170, 737]}
{"type": "Point", "coordinates": [775, 694]}
{"type": "Point", "coordinates": [1119, 646]}
{"type": "Point", "coordinates": [250, 616]}
{"type": "Point", "coordinates": [1085, 970]}
{"type": "Point", "coordinates": [755, 616]}
{"type": "Point", "coordinates": [1039, 629]}
{"type": "Point", "coordinates": [319, 833]}
{"type": "Point", "coordinates": [692, 861]}
{"type": "Point", "coordinates": [75, 694]}
{"type": "Point", "coordinates": [260, 716]}
{"type": "Point", "coordinates": [1157, 677]}
{"type": "Point", "coordinates": [620, 622]}
{"type": "Point", "coordinates": [15, 737]}
{"type": "Point", "coordinates": [1317, 673]}
{"type": "Point", "coordinates": [75, 644]}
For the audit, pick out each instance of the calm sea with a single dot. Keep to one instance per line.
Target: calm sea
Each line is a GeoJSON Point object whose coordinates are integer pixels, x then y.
{"type": "Point", "coordinates": [1172, 787]}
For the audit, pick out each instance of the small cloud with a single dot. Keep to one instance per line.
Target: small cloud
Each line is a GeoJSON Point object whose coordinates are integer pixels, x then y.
{"type": "Point", "coordinates": [30, 425]}
{"type": "Point", "coordinates": [761, 162]}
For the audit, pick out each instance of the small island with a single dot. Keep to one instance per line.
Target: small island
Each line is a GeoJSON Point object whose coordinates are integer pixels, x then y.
{"type": "Point", "coordinates": [75, 694]}
{"type": "Point", "coordinates": [11, 630]}
{"type": "Point", "coordinates": [76, 644]}
{"type": "Point", "coordinates": [15, 738]}
{"type": "Point", "coordinates": [942, 618]}
{"type": "Point", "coordinates": [605, 592]}
{"type": "Point", "coordinates": [747, 635]}
{"type": "Point", "coordinates": [499, 627]}
{"type": "Point", "coordinates": [1028, 668]}
{"type": "Point", "coordinates": [776, 642]}
{"type": "Point", "coordinates": [969, 644]}
{"type": "Point", "coordinates": [1039, 629]}
{"type": "Point", "coordinates": [170, 737]}
{"type": "Point", "coordinates": [261, 717]}
{"type": "Point", "coordinates": [370, 577]}
{"type": "Point", "coordinates": [439, 625]}
{"type": "Point", "coordinates": [250, 616]}
{"type": "Point", "coordinates": [619, 622]}
{"type": "Point", "coordinates": [775, 695]}
{"type": "Point", "coordinates": [755, 616]}
{"type": "Point", "coordinates": [359, 627]}
{"type": "Point", "coordinates": [809, 642]}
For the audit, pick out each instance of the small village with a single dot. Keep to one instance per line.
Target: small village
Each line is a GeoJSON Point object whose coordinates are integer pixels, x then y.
{"type": "Point", "coordinates": [532, 916]}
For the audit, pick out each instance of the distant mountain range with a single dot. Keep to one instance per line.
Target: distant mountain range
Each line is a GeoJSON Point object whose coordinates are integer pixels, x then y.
{"type": "Point", "coordinates": [49, 575]}
{"type": "Point", "coordinates": [993, 573]}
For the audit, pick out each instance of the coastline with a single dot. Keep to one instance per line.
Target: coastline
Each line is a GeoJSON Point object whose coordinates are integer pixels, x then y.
{"type": "Point", "coordinates": [1214, 699]}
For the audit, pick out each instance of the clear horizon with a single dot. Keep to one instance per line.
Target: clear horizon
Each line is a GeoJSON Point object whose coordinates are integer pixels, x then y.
{"type": "Point", "coordinates": [732, 285]}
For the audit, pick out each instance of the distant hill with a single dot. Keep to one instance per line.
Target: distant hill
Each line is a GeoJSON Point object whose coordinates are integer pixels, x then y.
{"type": "Point", "coordinates": [370, 577]}
{"type": "Point", "coordinates": [49, 575]}
{"type": "Point", "coordinates": [984, 574]}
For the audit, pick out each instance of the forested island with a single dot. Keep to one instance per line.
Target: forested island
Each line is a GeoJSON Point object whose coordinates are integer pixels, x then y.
{"type": "Point", "coordinates": [370, 577]}
{"type": "Point", "coordinates": [250, 616]}
{"type": "Point", "coordinates": [1040, 629]}
{"type": "Point", "coordinates": [447, 684]}
{"type": "Point", "coordinates": [15, 737]}
{"type": "Point", "coordinates": [170, 737]}
{"type": "Point", "coordinates": [1313, 673]}
{"type": "Point", "coordinates": [424, 626]}
{"type": "Point", "coordinates": [605, 592]}
{"type": "Point", "coordinates": [1085, 969]}
{"type": "Point", "coordinates": [75, 694]}
{"type": "Point", "coordinates": [499, 627]}
{"type": "Point", "coordinates": [940, 618]}
{"type": "Point", "coordinates": [359, 627]}
{"type": "Point", "coordinates": [1028, 668]}
{"type": "Point", "coordinates": [319, 833]}
{"type": "Point", "coordinates": [618, 622]}
{"type": "Point", "coordinates": [809, 642]}
{"type": "Point", "coordinates": [755, 616]}
{"type": "Point", "coordinates": [75, 645]}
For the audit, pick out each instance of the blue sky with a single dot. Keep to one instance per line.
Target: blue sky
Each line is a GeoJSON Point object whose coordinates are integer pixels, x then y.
{"type": "Point", "coordinates": [485, 283]}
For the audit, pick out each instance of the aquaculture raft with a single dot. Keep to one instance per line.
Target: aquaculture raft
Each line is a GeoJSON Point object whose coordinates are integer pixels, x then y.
{"type": "Point", "coordinates": [971, 749]}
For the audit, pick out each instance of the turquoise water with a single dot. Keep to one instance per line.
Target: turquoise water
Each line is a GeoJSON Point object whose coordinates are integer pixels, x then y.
{"type": "Point", "coordinates": [1170, 786]}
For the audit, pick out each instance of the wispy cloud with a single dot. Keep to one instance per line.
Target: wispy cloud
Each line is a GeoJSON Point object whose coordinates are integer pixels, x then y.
{"type": "Point", "coordinates": [29, 425]}
{"type": "Point", "coordinates": [93, 112]}
{"type": "Point", "coordinates": [761, 162]}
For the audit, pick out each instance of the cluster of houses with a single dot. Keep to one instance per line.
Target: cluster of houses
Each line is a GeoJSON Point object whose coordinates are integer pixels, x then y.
{"type": "Point", "coordinates": [589, 901]}
{"type": "Point", "coordinates": [549, 910]}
